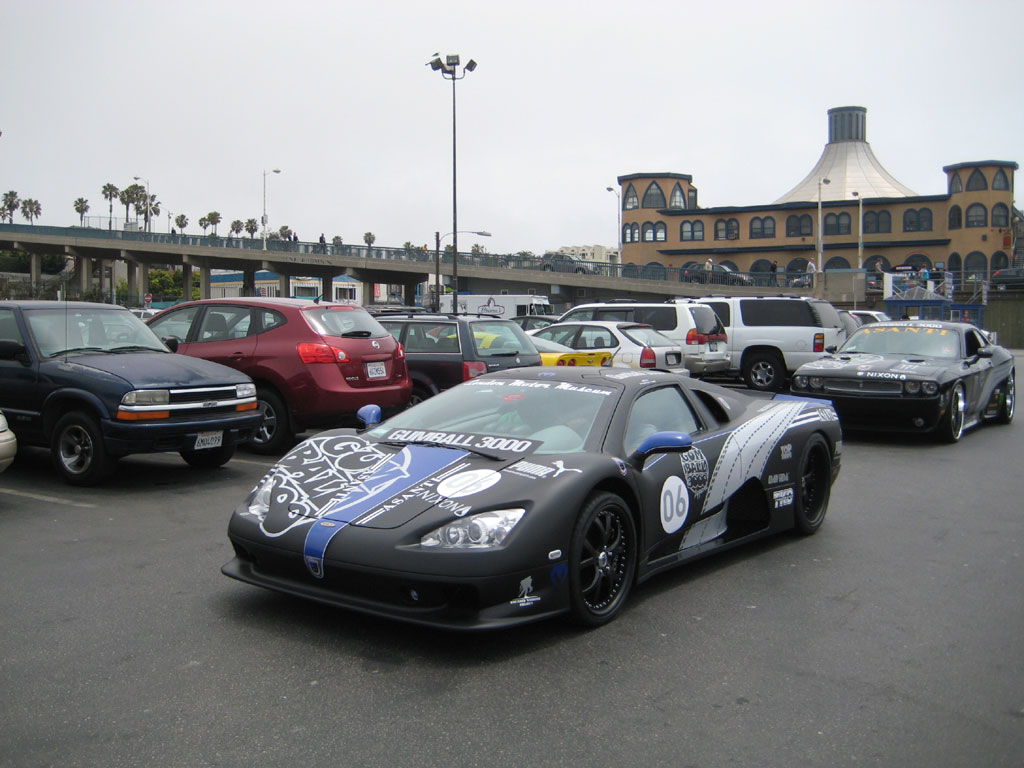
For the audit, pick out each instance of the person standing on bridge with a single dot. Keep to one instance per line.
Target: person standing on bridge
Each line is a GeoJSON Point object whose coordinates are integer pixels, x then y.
{"type": "Point", "coordinates": [323, 243]}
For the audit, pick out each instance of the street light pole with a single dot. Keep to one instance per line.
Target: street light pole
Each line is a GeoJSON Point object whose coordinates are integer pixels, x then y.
{"type": "Point", "coordinates": [860, 230]}
{"type": "Point", "coordinates": [275, 170]}
{"type": "Point", "coordinates": [618, 208]}
{"type": "Point", "coordinates": [821, 243]}
{"type": "Point", "coordinates": [438, 237]}
{"type": "Point", "coordinates": [449, 71]}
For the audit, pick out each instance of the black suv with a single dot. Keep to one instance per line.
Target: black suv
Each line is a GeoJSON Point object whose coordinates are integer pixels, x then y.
{"type": "Point", "coordinates": [93, 383]}
{"type": "Point", "coordinates": [442, 350]}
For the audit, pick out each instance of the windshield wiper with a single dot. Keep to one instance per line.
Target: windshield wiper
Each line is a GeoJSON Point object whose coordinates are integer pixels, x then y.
{"type": "Point", "coordinates": [505, 354]}
{"type": "Point", "coordinates": [435, 444]}
{"type": "Point", "coordinates": [72, 350]}
{"type": "Point", "coordinates": [134, 348]}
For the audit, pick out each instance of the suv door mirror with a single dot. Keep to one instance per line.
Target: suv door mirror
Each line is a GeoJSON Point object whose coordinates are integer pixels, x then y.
{"type": "Point", "coordinates": [11, 349]}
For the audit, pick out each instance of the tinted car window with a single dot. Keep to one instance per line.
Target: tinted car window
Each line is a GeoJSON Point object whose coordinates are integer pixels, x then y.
{"type": "Point", "coordinates": [270, 319]}
{"type": "Point", "coordinates": [722, 310]}
{"type": "Point", "coordinates": [563, 334]}
{"type": "Point", "coordinates": [614, 315]}
{"type": "Point", "coordinates": [501, 338]}
{"type": "Point", "coordinates": [662, 409]}
{"type": "Point", "coordinates": [579, 314]}
{"type": "Point", "coordinates": [432, 337]}
{"type": "Point", "coordinates": [827, 314]}
{"type": "Point", "coordinates": [595, 338]}
{"type": "Point", "coordinates": [174, 324]}
{"type": "Point", "coordinates": [778, 312]}
{"type": "Point", "coordinates": [647, 337]}
{"type": "Point", "coordinates": [343, 321]}
{"type": "Point", "coordinates": [705, 320]}
{"type": "Point", "coordinates": [662, 318]}
{"type": "Point", "coordinates": [224, 322]}
{"type": "Point", "coordinates": [9, 326]}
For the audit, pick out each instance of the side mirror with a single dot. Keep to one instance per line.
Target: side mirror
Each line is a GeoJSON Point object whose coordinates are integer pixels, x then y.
{"type": "Point", "coordinates": [831, 349]}
{"type": "Point", "coordinates": [661, 442]}
{"type": "Point", "coordinates": [369, 415]}
{"type": "Point", "coordinates": [171, 342]}
{"type": "Point", "coordinates": [13, 350]}
{"type": "Point", "coordinates": [985, 353]}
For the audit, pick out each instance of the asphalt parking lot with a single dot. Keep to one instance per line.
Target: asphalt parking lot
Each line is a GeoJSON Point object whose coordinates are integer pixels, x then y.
{"type": "Point", "coordinates": [891, 638]}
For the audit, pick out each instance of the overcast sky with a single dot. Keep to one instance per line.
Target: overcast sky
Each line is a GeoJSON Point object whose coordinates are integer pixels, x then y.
{"type": "Point", "coordinates": [201, 97]}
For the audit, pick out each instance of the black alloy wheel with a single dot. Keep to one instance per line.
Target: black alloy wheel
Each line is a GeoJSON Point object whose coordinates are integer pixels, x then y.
{"type": "Point", "coordinates": [77, 449]}
{"type": "Point", "coordinates": [602, 560]}
{"type": "Point", "coordinates": [814, 487]}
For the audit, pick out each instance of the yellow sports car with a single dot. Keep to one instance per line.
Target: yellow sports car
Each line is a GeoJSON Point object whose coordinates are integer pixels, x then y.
{"type": "Point", "coordinates": [553, 353]}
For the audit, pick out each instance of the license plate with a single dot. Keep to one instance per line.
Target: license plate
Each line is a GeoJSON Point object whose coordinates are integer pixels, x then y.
{"type": "Point", "coordinates": [712, 346]}
{"type": "Point", "coordinates": [209, 440]}
{"type": "Point", "coordinates": [376, 371]}
{"type": "Point", "coordinates": [672, 359]}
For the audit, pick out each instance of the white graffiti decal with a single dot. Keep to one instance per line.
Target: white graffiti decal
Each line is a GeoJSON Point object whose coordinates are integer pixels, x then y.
{"type": "Point", "coordinates": [696, 470]}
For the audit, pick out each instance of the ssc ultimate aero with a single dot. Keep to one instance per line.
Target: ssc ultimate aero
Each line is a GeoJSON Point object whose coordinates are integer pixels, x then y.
{"type": "Point", "coordinates": [533, 492]}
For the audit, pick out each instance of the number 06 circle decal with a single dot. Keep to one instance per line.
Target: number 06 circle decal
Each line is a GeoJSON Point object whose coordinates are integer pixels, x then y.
{"type": "Point", "coordinates": [675, 504]}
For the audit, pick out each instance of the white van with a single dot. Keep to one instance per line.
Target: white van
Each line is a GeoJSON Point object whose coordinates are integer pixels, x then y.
{"type": "Point", "coordinates": [688, 323]}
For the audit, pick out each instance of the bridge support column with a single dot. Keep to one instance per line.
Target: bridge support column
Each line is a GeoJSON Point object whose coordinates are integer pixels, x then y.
{"type": "Point", "coordinates": [409, 299]}
{"type": "Point", "coordinates": [249, 281]}
{"type": "Point", "coordinates": [35, 263]}
{"type": "Point", "coordinates": [284, 285]}
{"type": "Point", "coordinates": [186, 282]}
{"type": "Point", "coordinates": [84, 274]}
{"type": "Point", "coordinates": [204, 282]}
{"type": "Point", "coordinates": [134, 297]}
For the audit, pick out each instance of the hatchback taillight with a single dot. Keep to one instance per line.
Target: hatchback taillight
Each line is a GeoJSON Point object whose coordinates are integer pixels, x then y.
{"type": "Point", "coordinates": [648, 359]}
{"type": "Point", "coordinates": [321, 353]}
{"type": "Point", "coordinates": [693, 336]}
{"type": "Point", "coordinates": [472, 369]}
{"type": "Point", "coordinates": [819, 342]}
{"type": "Point", "coordinates": [400, 352]}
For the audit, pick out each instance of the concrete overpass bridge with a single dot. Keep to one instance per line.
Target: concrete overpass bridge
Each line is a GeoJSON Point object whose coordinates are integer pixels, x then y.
{"type": "Point", "coordinates": [477, 273]}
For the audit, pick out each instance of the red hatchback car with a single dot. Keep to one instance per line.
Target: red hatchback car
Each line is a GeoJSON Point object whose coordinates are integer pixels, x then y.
{"type": "Point", "coordinates": [314, 364]}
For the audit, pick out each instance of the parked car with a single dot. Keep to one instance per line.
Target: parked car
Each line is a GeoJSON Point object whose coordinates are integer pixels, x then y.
{"type": "Point", "coordinates": [144, 313]}
{"type": "Point", "coordinates": [553, 353]}
{"type": "Point", "coordinates": [771, 336]}
{"type": "Point", "coordinates": [8, 444]}
{"type": "Point", "coordinates": [314, 364]}
{"type": "Point", "coordinates": [916, 376]}
{"type": "Point", "coordinates": [1008, 277]}
{"type": "Point", "coordinates": [849, 320]}
{"type": "Point", "coordinates": [533, 493]}
{"type": "Point", "coordinates": [633, 345]}
{"type": "Point", "coordinates": [694, 326]}
{"type": "Point", "coordinates": [92, 383]}
{"type": "Point", "coordinates": [532, 322]}
{"type": "Point", "coordinates": [442, 350]}
{"type": "Point", "coordinates": [567, 262]}
{"type": "Point", "coordinates": [719, 274]}
{"type": "Point", "coordinates": [870, 316]}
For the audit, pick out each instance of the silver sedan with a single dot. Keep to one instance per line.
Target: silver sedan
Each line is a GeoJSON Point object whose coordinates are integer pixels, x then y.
{"type": "Point", "coordinates": [8, 444]}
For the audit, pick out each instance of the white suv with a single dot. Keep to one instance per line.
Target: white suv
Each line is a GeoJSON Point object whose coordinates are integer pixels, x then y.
{"type": "Point", "coordinates": [772, 336]}
{"type": "Point", "coordinates": [688, 323]}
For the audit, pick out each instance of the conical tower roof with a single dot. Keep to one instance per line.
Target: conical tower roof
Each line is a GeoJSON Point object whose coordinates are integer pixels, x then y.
{"type": "Point", "coordinates": [848, 163]}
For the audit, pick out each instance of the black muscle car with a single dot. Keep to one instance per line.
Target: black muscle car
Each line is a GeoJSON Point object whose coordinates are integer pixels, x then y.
{"type": "Point", "coordinates": [533, 492]}
{"type": "Point", "coordinates": [917, 376]}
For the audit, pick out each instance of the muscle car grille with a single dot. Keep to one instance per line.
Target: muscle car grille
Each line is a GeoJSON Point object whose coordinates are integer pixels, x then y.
{"type": "Point", "coordinates": [864, 385]}
{"type": "Point", "coordinates": [200, 395]}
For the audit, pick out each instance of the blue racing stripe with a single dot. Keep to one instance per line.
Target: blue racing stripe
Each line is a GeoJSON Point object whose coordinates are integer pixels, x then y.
{"type": "Point", "coordinates": [411, 465]}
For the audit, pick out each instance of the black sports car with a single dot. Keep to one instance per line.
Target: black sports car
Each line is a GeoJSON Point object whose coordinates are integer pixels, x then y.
{"type": "Point", "coordinates": [916, 376]}
{"type": "Point", "coordinates": [533, 492]}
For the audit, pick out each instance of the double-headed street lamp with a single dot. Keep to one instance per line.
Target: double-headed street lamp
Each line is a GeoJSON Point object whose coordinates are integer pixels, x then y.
{"type": "Point", "coordinates": [438, 237]}
{"type": "Point", "coordinates": [821, 244]}
{"type": "Point", "coordinates": [449, 70]}
{"type": "Point", "coordinates": [618, 208]}
{"type": "Point", "coordinates": [860, 229]}
{"type": "Point", "coordinates": [265, 174]}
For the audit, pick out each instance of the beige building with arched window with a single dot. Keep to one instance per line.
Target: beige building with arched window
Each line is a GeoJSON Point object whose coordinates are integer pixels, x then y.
{"type": "Point", "coordinates": [967, 230]}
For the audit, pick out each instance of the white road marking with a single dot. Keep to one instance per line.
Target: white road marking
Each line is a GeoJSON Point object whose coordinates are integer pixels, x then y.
{"type": "Point", "coordinates": [51, 499]}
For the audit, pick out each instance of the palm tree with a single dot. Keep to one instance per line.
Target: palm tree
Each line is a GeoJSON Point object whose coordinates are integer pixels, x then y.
{"type": "Point", "coordinates": [31, 209]}
{"type": "Point", "coordinates": [336, 241]}
{"type": "Point", "coordinates": [10, 205]}
{"type": "Point", "coordinates": [150, 208]}
{"type": "Point", "coordinates": [81, 208]}
{"type": "Point", "coordinates": [129, 196]}
{"type": "Point", "coordinates": [236, 227]}
{"type": "Point", "coordinates": [182, 221]}
{"type": "Point", "coordinates": [110, 192]}
{"type": "Point", "coordinates": [252, 227]}
{"type": "Point", "coordinates": [285, 232]}
{"type": "Point", "coordinates": [204, 223]}
{"type": "Point", "coordinates": [369, 238]}
{"type": "Point", "coordinates": [213, 218]}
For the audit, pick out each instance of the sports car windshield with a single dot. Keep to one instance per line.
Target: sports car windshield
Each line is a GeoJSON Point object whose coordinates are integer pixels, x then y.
{"type": "Point", "coordinates": [90, 331]}
{"type": "Point", "coordinates": [560, 416]}
{"type": "Point", "coordinates": [904, 340]}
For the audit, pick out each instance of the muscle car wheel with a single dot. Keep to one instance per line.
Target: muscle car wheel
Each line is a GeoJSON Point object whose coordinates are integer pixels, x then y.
{"type": "Point", "coordinates": [275, 434]}
{"type": "Point", "coordinates": [77, 449]}
{"type": "Point", "coordinates": [1006, 402]}
{"type": "Point", "coordinates": [602, 560]}
{"type": "Point", "coordinates": [209, 458]}
{"type": "Point", "coordinates": [951, 427]}
{"type": "Point", "coordinates": [814, 486]}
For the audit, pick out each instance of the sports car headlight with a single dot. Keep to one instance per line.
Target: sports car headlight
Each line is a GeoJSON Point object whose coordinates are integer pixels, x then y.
{"type": "Point", "coordinates": [800, 382]}
{"type": "Point", "coordinates": [245, 390]}
{"type": "Point", "coordinates": [912, 387]}
{"type": "Point", "coordinates": [480, 531]}
{"type": "Point", "coordinates": [146, 397]}
{"type": "Point", "coordinates": [930, 388]}
{"type": "Point", "coordinates": [259, 499]}
{"type": "Point", "coordinates": [816, 382]}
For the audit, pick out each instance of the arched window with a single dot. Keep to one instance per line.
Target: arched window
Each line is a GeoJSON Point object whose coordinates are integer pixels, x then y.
{"type": "Point", "coordinates": [955, 265]}
{"type": "Point", "coordinates": [910, 220]}
{"type": "Point", "coordinates": [924, 220]}
{"type": "Point", "coordinates": [732, 229]}
{"type": "Point", "coordinates": [797, 266]}
{"type": "Point", "coordinates": [627, 234]}
{"type": "Point", "coordinates": [653, 271]}
{"type": "Point", "coordinates": [636, 233]}
{"type": "Point", "coordinates": [884, 221]}
{"type": "Point", "coordinates": [977, 215]}
{"type": "Point", "coordinates": [1000, 215]}
{"type": "Point", "coordinates": [956, 217]}
{"type": "Point", "coordinates": [975, 265]}
{"type": "Point", "coordinates": [999, 181]}
{"type": "Point", "coordinates": [999, 261]}
{"type": "Point", "coordinates": [793, 226]}
{"type": "Point", "coordinates": [660, 232]}
{"type": "Point", "coordinates": [831, 224]}
{"type": "Point", "coordinates": [720, 229]}
{"type": "Point", "coordinates": [955, 185]}
{"type": "Point", "coordinates": [686, 230]}
{"type": "Point", "coordinates": [919, 261]}
{"type": "Point", "coordinates": [869, 264]}
{"type": "Point", "coordinates": [630, 201]}
{"type": "Point", "coordinates": [976, 181]}
{"type": "Point", "coordinates": [762, 265]}
{"type": "Point", "coordinates": [730, 265]}
{"type": "Point", "coordinates": [870, 223]}
{"type": "Point", "coordinates": [648, 232]}
{"type": "Point", "coordinates": [654, 197]}
{"type": "Point", "coordinates": [844, 223]}
{"type": "Point", "coordinates": [836, 262]}
{"type": "Point", "coordinates": [698, 230]}
{"type": "Point", "coordinates": [769, 226]}
{"type": "Point", "coordinates": [631, 270]}
{"type": "Point", "coordinates": [678, 199]}
{"type": "Point", "coordinates": [756, 228]}
{"type": "Point", "coordinates": [806, 225]}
